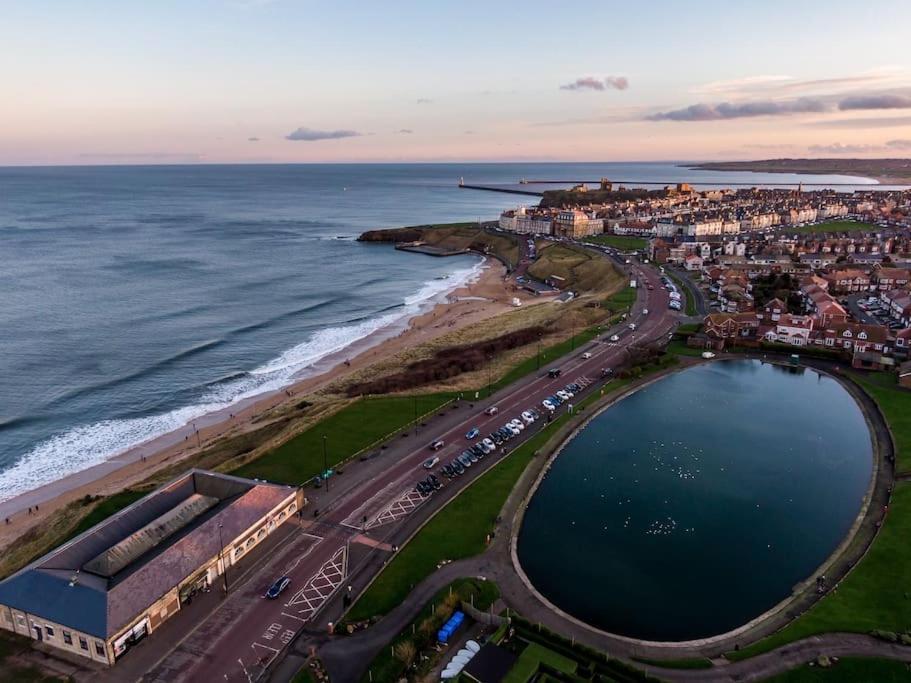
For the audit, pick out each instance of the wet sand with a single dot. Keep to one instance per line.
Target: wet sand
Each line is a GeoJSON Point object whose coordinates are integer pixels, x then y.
{"type": "Point", "coordinates": [489, 295]}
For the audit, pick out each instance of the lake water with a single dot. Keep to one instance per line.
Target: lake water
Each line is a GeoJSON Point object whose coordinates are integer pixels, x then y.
{"type": "Point", "coordinates": [697, 503]}
{"type": "Point", "coordinates": [136, 299]}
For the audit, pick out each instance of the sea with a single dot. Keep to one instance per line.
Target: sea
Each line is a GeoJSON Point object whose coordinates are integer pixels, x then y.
{"type": "Point", "coordinates": [136, 299]}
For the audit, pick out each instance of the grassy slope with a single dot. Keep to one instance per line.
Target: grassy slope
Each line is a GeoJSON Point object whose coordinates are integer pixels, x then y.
{"type": "Point", "coordinates": [348, 431]}
{"type": "Point", "coordinates": [619, 241]}
{"type": "Point", "coordinates": [582, 270]}
{"type": "Point", "coordinates": [895, 404]}
{"type": "Point", "coordinates": [849, 670]}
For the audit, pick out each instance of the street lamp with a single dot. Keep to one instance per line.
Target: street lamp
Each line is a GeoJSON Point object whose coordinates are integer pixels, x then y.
{"type": "Point", "coordinates": [325, 464]}
{"type": "Point", "coordinates": [224, 563]}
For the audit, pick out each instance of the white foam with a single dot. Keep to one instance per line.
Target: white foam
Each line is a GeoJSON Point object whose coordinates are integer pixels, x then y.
{"type": "Point", "coordinates": [88, 445]}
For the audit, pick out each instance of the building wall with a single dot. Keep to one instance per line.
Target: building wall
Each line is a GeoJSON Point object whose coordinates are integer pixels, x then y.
{"type": "Point", "coordinates": [55, 635]}
{"type": "Point", "coordinates": [165, 607]}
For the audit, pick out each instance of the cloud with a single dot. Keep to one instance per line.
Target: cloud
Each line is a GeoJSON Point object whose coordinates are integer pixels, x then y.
{"type": "Point", "coordinates": [778, 85]}
{"type": "Point", "coordinates": [740, 84]}
{"type": "Point", "coordinates": [311, 134]}
{"type": "Point", "coordinates": [591, 83]}
{"type": "Point", "coordinates": [739, 110]}
{"type": "Point", "coordinates": [253, 139]}
{"type": "Point", "coordinates": [875, 102]}
{"type": "Point", "coordinates": [840, 148]}
{"type": "Point", "coordinates": [866, 122]}
{"type": "Point", "coordinates": [424, 100]}
{"type": "Point", "coordinates": [404, 131]}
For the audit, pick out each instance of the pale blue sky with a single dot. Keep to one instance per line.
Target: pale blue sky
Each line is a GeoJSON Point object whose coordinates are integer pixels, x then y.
{"type": "Point", "coordinates": [105, 82]}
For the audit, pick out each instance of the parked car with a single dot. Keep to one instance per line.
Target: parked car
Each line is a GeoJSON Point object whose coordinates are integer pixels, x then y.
{"type": "Point", "coordinates": [466, 462]}
{"type": "Point", "coordinates": [277, 588]}
{"type": "Point", "coordinates": [490, 444]}
{"type": "Point", "coordinates": [528, 417]}
{"type": "Point", "coordinates": [517, 423]}
{"type": "Point", "coordinates": [548, 405]}
{"type": "Point", "coordinates": [430, 463]}
{"type": "Point", "coordinates": [473, 433]}
{"type": "Point", "coordinates": [457, 467]}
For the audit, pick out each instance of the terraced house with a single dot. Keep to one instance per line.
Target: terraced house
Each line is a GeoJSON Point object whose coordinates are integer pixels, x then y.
{"type": "Point", "coordinates": [108, 588]}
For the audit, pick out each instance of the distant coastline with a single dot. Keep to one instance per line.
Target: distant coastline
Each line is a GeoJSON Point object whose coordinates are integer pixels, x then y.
{"type": "Point", "coordinates": [885, 171]}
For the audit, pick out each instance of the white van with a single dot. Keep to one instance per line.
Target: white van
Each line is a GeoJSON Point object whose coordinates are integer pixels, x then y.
{"type": "Point", "coordinates": [586, 355]}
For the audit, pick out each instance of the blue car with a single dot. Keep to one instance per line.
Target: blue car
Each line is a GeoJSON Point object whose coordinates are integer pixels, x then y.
{"type": "Point", "coordinates": [276, 588]}
{"type": "Point", "coordinates": [473, 433]}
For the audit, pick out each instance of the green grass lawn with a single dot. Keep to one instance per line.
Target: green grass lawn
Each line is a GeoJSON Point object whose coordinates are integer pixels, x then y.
{"type": "Point", "coordinates": [531, 659]}
{"type": "Point", "coordinates": [695, 663]}
{"type": "Point", "coordinates": [875, 595]}
{"type": "Point", "coordinates": [837, 226]}
{"type": "Point", "coordinates": [385, 666]}
{"type": "Point", "coordinates": [348, 431]}
{"type": "Point", "coordinates": [624, 242]}
{"type": "Point", "coordinates": [895, 403]}
{"type": "Point", "coordinates": [849, 670]}
{"type": "Point", "coordinates": [621, 301]}
{"type": "Point", "coordinates": [679, 347]}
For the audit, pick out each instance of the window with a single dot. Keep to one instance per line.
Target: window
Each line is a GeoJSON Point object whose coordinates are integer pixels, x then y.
{"type": "Point", "coordinates": [67, 637]}
{"type": "Point", "coordinates": [250, 543]}
{"type": "Point", "coordinates": [260, 533]}
{"type": "Point", "coordinates": [21, 620]}
{"type": "Point", "coordinates": [83, 643]}
{"type": "Point", "coordinates": [49, 631]}
{"type": "Point", "coordinates": [99, 649]}
{"type": "Point", "coordinates": [238, 552]}
{"type": "Point", "coordinates": [7, 617]}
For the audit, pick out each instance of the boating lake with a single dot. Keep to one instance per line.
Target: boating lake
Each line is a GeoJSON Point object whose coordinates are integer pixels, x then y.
{"type": "Point", "coordinates": [699, 502]}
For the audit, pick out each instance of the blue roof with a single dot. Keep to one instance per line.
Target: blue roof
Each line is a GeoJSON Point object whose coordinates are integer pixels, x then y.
{"type": "Point", "coordinates": [80, 607]}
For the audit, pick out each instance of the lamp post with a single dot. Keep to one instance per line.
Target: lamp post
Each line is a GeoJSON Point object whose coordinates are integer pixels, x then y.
{"type": "Point", "coordinates": [224, 563]}
{"type": "Point", "coordinates": [325, 464]}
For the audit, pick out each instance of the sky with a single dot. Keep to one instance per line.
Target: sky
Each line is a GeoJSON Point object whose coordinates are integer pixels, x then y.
{"type": "Point", "coordinates": [277, 81]}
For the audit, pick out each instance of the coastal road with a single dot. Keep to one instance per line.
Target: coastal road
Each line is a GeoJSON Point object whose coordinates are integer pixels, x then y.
{"type": "Point", "coordinates": [333, 551]}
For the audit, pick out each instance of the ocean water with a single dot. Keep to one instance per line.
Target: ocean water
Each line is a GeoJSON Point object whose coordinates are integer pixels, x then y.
{"type": "Point", "coordinates": [136, 299]}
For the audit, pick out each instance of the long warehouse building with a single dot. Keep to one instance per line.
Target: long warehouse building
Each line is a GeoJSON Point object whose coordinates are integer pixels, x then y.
{"type": "Point", "coordinates": [106, 589]}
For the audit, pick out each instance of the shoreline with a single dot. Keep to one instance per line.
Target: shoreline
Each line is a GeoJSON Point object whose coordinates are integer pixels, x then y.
{"type": "Point", "coordinates": [483, 296]}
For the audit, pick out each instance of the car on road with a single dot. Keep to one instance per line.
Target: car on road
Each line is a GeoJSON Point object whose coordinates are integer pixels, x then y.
{"type": "Point", "coordinates": [430, 463]}
{"type": "Point", "coordinates": [548, 405]}
{"type": "Point", "coordinates": [437, 444]}
{"type": "Point", "coordinates": [644, 311]}
{"type": "Point", "coordinates": [490, 444]}
{"type": "Point", "coordinates": [586, 355]}
{"type": "Point", "coordinates": [473, 433]}
{"type": "Point", "coordinates": [615, 338]}
{"type": "Point", "coordinates": [632, 326]}
{"type": "Point", "coordinates": [277, 588]}
{"type": "Point", "coordinates": [606, 372]}
{"type": "Point", "coordinates": [554, 372]}
{"type": "Point", "coordinates": [493, 410]}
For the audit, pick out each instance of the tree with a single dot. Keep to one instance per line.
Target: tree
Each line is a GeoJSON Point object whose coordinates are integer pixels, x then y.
{"type": "Point", "coordinates": [405, 652]}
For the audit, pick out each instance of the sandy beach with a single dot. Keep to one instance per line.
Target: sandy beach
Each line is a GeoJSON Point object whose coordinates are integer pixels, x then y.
{"type": "Point", "coordinates": [489, 295]}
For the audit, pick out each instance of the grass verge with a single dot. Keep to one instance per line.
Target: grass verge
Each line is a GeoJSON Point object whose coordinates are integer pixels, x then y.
{"type": "Point", "coordinates": [895, 404]}
{"type": "Point", "coordinates": [624, 242]}
{"type": "Point", "coordinates": [849, 670]}
{"type": "Point", "coordinates": [836, 226]}
{"type": "Point", "coordinates": [531, 659]}
{"type": "Point", "coordinates": [695, 663]}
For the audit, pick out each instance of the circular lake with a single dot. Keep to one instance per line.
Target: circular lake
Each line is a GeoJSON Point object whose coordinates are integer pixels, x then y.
{"type": "Point", "coordinates": [697, 503]}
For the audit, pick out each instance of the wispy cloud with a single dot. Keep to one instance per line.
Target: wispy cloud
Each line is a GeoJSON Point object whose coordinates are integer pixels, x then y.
{"type": "Point", "coordinates": [424, 100]}
{"type": "Point", "coordinates": [875, 102]}
{"type": "Point", "coordinates": [592, 83]}
{"type": "Point", "coordinates": [862, 123]}
{"type": "Point", "coordinates": [734, 85]}
{"type": "Point", "coordinates": [404, 131]}
{"type": "Point", "coordinates": [739, 110]}
{"type": "Point", "coordinates": [253, 139]}
{"type": "Point", "coordinates": [841, 148]}
{"type": "Point", "coordinates": [779, 85]}
{"type": "Point", "coordinates": [311, 134]}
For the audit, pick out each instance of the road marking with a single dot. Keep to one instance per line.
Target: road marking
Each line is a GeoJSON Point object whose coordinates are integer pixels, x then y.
{"type": "Point", "coordinates": [307, 601]}
{"type": "Point", "coordinates": [402, 506]}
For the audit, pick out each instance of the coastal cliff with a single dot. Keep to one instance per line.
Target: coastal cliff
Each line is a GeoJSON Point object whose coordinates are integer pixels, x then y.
{"type": "Point", "coordinates": [452, 237]}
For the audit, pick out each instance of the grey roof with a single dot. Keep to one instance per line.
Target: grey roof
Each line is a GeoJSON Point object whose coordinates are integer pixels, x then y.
{"type": "Point", "coordinates": [101, 580]}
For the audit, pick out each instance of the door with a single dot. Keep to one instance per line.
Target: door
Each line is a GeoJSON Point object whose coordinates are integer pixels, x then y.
{"type": "Point", "coordinates": [39, 635]}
